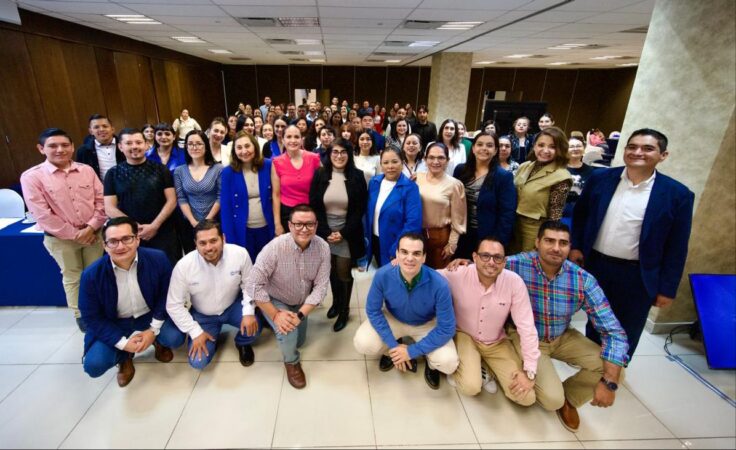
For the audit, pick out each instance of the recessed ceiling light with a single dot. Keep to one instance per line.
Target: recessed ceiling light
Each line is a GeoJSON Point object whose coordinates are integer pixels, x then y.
{"type": "Point", "coordinates": [458, 25]}
{"type": "Point", "coordinates": [603, 58]}
{"type": "Point", "coordinates": [485, 62]}
{"type": "Point", "coordinates": [559, 63]}
{"type": "Point", "coordinates": [393, 60]}
{"type": "Point", "coordinates": [313, 53]}
{"type": "Point", "coordinates": [133, 19]}
{"type": "Point", "coordinates": [299, 21]}
{"type": "Point", "coordinates": [518, 56]}
{"type": "Point", "coordinates": [219, 51]}
{"type": "Point", "coordinates": [424, 43]}
{"type": "Point", "coordinates": [627, 65]}
{"type": "Point", "coordinates": [188, 39]}
{"type": "Point", "coordinates": [316, 60]}
{"type": "Point", "coordinates": [153, 22]}
{"type": "Point", "coordinates": [308, 41]}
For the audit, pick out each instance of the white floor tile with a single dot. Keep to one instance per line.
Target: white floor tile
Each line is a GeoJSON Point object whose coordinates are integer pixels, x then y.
{"type": "Point", "coordinates": [496, 419]}
{"type": "Point", "coordinates": [436, 447]}
{"type": "Point", "coordinates": [649, 347]}
{"type": "Point", "coordinates": [333, 410]}
{"type": "Point", "coordinates": [681, 344]}
{"type": "Point", "coordinates": [407, 412]}
{"type": "Point", "coordinates": [265, 347]}
{"type": "Point", "coordinates": [9, 316]}
{"type": "Point", "coordinates": [37, 336]}
{"type": "Point", "coordinates": [628, 418]}
{"type": "Point", "coordinates": [231, 407]}
{"type": "Point", "coordinates": [725, 380]}
{"type": "Point", "coordinates": [141, 415]}
{"type": "Point", "coordinates": [12, 376]}
{"type": "Point", "coordinates": [70, 352]}
{"type": "Point", "coordinates": [678, 400]}
{"type": "Point", "coordinates": [572, 445]}
{"type": "Point", "coordinates": [47, 405]}
{"type": "Point", "coordinates": [641, 443]}
{"type": "Point", "coordinates": [726, 443]}
{"type": "Point", "coordinates": [324, 344]}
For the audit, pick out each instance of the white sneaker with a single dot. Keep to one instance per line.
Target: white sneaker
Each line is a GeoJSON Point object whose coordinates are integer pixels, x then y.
{"type": "Point", "coordinates": [451, 380]}
{"type": "Point", "coordinates": [489, 384]}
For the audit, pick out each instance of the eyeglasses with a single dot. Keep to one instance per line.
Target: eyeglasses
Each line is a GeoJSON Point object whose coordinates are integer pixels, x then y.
{"type": "Point", "coordinates": [195, 144]}
{"type": "Point", "coordinates": [339, 153]}
{"type": "Point", "coordinates": [486, 257]}
{"type": "Point", "coordinates": [300, 225]}
{"type": "Point", "coordinates": [126, 240]}
{"type": "Point", "coordinates": [436, 158]}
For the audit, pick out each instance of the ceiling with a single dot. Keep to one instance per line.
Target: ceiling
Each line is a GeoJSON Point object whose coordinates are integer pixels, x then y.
{"type": "Point", "coordinates": [355, 32]}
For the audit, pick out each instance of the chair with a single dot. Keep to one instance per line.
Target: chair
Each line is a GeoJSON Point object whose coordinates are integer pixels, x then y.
{"type": "Point", "coordinates": [11, 204]}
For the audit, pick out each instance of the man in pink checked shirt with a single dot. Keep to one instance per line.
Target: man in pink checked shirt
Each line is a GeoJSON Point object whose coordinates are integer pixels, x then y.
{"type": "Point", "coordinates": [484, 294]}
{"type": "Point", "coordinates": [66, 199]}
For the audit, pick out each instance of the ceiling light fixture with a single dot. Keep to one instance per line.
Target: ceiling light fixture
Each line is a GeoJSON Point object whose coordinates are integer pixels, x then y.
{"type": "Point", "coordinates": [133, 19]}
{"type": "Point", "coordinates": [308, 41]}
{"type": "Point", "coordinates": [424, 43]}
{"type": "Point", "coordinates": [458, 25]}
{"type": "Point", "coordinates": [627, 65]}
{"type": "Point", "coordinates": [299, 21]}
{"type": "Point", "coordinates": [313, 53]}
{"type": "Point", "coordinates": [219, 51]}
{"type": "Point", "coordinates": [519, 56]}
{"type": "Point", "coordinates": [485, 62]}
{"type": "Point", "coordinates": [559, 63]}
{"type": "Point", "coordinates": [603, 58]}
{"type": "Point", "coordinates": [188, 39]}
{"type": "Point", "coordinates": [393, 60]}
{"type": "Point", "coordinates": [317, 60]}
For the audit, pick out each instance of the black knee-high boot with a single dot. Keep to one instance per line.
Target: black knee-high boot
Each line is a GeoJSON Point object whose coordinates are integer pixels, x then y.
{"type": "Point", "coordinates": [336, 287]}
{"type": "Point", "coordinates": [344, 312]}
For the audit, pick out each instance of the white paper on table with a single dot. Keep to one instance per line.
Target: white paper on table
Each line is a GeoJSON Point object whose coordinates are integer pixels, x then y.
{"type": "Point", "coordinates": [6, 221]}
{"type": "Point", "coordinates": [32, 229]}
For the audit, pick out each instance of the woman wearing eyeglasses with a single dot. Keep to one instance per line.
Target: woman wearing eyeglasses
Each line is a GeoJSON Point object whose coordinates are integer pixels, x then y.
{"type": "Point", "coordinates": [542, 184]}
{"type": "Point", "coordinates": [197, 185]}
{"type": "Point", "coordinates": [443, 207]}
{"type": "Point", "coordinates": [490, 194]}
{"type": "Point", "coordinates": [394, 208]}
{"type": "Point", "coordinates": [338, 195]}
{"type": "Point", "coordinates": [245, 196]}
{"type": "Point", "coordinates": [291, 177]}
{"type": "Point", "coordinates": [275, 146]}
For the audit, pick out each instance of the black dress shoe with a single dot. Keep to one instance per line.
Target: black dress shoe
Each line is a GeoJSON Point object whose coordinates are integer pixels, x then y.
{"type": "Point", "coordinates": [246, 354]}
{"type": "Point", "coordinates": [413, 365]}
{"type": "Point", "coordinates": [385, 364]}
{"type": "Point", "coordinates": [432, 377]}
{"type": "Point", "coordinates": [81, 324]}
{"type": "Point", "coordinates": [342, 321]}
{"type": "Point", "coordinates": [332, 312]}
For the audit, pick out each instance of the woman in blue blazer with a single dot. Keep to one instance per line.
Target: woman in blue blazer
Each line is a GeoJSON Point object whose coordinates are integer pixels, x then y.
{"type": "Point", "coordinates": [242, 223]}
{"type": "Point", "coordinates": [395, 200]}
{"type": "Point", "coordinates": [490, 193]}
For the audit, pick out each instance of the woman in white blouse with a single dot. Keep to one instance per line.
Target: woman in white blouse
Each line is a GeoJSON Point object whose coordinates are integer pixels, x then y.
{"type": "Point", "coordinates": [366, 157]}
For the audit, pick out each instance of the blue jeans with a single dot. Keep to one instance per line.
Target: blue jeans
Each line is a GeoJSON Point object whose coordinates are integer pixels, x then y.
{"type": "Point", "coordinates": [212, 325]}
{"type": "Point", "coordinates": [290, 342]}
{"type": "Point", "coordinates": [101, 357]}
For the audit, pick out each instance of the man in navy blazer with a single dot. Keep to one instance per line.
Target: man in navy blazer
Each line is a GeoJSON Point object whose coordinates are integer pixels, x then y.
{"type": "Point", "coordinates": [631, 228]}
{"type": "Point", "coordinates": [122, 299]}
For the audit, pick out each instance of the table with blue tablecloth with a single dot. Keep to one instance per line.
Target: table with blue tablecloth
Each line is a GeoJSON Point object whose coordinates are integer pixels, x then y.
{"type": "Point", "coordinates": [29, 276]}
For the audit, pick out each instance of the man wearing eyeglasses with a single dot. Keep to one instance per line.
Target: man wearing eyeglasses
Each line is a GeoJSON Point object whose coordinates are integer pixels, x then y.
{"type": "Point", "coordinates": [290, 279]}
{"type": "Point", "coordinates": [633, 223]}
{"type": "Point", "coordinates": [65, 197]}
{"type": "Point", "coordinates": [122, 298]}
{"type": "Point", "coordinates": [484, 295]}
{"type": "Point", "coordinates": [412, 300]}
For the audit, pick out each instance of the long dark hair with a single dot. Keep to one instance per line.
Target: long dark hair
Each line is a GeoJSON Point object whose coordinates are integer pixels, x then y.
{"type": "Point", "coordinates": [420, 153]}
{"type": "Point", "coordinates": [455, 141]}
{"type": "Point", "coordinates": [395, 133]}
{"type": "Point", "coordinates": [349, 167]}
{"type": "Point", "coordinates": [373, 144]}
{"type": "Point", "coordinates": [209, 160]}
{"type": "Point", "coordinates": [467, 176]}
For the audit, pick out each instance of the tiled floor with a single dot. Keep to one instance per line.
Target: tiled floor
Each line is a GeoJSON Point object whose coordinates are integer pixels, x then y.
{"type": "Point", "coordinates": [46, 400]}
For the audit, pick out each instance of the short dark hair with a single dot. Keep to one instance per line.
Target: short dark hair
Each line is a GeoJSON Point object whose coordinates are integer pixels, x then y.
{"type": "Point", "coordinates": [97, 117]}
{"type": "Point", "coordinates": [366, 113]}
{"type": "Point", "coordinates": [659, 136]}
{"type": "Point", "coordinates": [301, 207]}
{"type": "Point", "coordinates": [412, 236]}
{"type": "Point", "coordinates": [118, 221]}
{"type": "Point", "coordinates": [207, 224]}
{"type": "Point", "coordinates": [554, 225]}
{"type": "Point", "coordinates": [423, 108]}
{"type": "Point", "coordinates": [51, 132]}
{"type": "Point", "coordinates": [490, 238]}
{"type": "Point", "coordinates": [128, 131]}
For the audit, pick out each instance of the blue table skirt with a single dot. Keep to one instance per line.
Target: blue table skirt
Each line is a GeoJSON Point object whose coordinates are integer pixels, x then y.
{"type": "Point", "coordinates": [29, 276]}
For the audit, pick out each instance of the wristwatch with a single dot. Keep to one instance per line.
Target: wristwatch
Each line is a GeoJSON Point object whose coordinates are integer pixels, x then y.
{"type": "Point", "coordinates": [609, 384]}
{"type": "Point", "coordinates": [531, 375]}
{"type": "Point", "coordinates": [301, 316]}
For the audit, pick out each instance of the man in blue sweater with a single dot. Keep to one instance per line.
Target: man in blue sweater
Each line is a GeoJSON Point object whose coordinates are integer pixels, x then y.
{"type": "Point", "coordinates": [418, 304]}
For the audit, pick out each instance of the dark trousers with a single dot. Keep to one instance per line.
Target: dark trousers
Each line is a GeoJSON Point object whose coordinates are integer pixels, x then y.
{"type": "Point", "coordinates": [624, 288]}
{"type": "Point", "coordinates": [285, 211]}
{"type": "Point", "coordinates": [341, 282]}
{"type": "Point", "coordinates": [256, 239]}
{"type": "Point", "coordinates": [467, 244]}
{"type": "Point", "coordinates": [166, 241]}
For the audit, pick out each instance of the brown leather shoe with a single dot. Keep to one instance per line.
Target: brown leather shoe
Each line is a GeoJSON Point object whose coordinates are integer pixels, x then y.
{"type": "Point", "coordinates": [126, 371]}
{"type": "Point", "coordinates": [163, 354]}
{"type": "Point", "coordinates": [569, 417]}
{"type": "Point", "coordinates": [295, 375]}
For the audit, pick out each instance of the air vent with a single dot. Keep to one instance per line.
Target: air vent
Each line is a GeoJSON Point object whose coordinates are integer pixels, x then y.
{"type": "Point", "coordinates": [257, 21]}
{"type": "Point", "coordinates": [393, 54]}
{"type": "Point", "coordinates": [240, 58]}
{"type": "Point", "coordinates": [640, 30]}
{"type": "Point", "coordinates": [298, 59]}
{"type": "Point", "coordinates": [299, 21]}
{"type": "Point", "coordinates": [281, 41]}
{"type": "Point", "coordinates": [424, 24]}
{"type": "Point", "coordinates": [291, 52]}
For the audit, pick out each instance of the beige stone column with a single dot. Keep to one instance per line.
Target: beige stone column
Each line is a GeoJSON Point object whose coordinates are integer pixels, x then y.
{"type": "Point", "coordinates": [448, 87]}
{"type": "Point", "coordinates": [685, 87]}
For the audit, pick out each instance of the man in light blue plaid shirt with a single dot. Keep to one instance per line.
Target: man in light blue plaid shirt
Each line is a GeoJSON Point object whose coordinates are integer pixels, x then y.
{"type": "Point", "coordinates": [559, 288]}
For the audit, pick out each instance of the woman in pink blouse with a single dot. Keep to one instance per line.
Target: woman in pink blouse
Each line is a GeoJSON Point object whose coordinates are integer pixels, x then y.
{"type": "Point", "coordinates": [291, 177]}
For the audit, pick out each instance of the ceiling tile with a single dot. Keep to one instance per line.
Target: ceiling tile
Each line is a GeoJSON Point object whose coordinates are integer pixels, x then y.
{"type": "Point", "coordinates": [362, 13]}
{"type": "Point", "coordinates": [373, 3]}
{"type": "Point", "coordinates": [477, 5]}
{"type": "Point", "coordinates": [271, 11]}
{"type": "Point", "coordinates": [456, 14]}
{"type": "Point", "coordinates": [176, 10]}
{"type": "Point", "coordinates": [79, 7]}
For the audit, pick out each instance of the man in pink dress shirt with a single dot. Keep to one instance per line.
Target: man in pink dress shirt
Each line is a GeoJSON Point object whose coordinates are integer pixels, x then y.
{"type": "Point", "coordinates": [66, 199]}
{"type": "Point", "coordinates": [484, 294]}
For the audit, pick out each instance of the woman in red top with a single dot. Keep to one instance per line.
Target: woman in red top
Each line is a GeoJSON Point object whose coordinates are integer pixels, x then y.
{"type": "Point", "coordinates": [291, 177]}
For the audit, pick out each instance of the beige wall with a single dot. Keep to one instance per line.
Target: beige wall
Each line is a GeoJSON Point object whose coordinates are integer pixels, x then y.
{"type": "Point", "coordinates": [685, 87]}
{"type": "Point", "coordinates": [448, 87]}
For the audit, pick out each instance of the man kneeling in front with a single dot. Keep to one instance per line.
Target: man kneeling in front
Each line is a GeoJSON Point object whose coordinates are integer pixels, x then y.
{"type": "Point", "coordinates": [419, 305]}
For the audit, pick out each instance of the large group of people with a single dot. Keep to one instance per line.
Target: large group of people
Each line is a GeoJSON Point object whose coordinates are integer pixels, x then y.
{"type": "Point", "coordinates": [485, 246]}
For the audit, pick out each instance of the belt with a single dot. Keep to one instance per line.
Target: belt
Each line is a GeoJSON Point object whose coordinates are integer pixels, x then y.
{"type": "Point", "coordinates": [613, 259]}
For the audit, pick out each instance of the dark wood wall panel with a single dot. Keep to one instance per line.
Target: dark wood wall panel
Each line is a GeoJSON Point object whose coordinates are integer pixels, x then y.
{"type": "Point", "coordinates": [529, 82]}
{"type": "Point", "coordinates": [585, 101]}
{"type": "Point", "coordinates": [402, 84]}
{"type": "Point", "coordinates": [423, 91]}
{"type": "Point", "coordinates": [370, 84]}
{"type": "Point", "coordinates": [161, 87]}
{"type": "Point", "coordinates": [615, 99]}
{"type": "Point", "coordinates": [131, 92]}
{"type": "Point", "coordinates": [557, 93]}
{"type": "Point", "coordinates": [274, 82]}
{"type": "Point", "coordinates": [305, 77]}
{"type": "Point", "coordinates": [241, 86]}
{"type": "Point", "coordinates": [498, 79]}
{"type": "Point", "coordinates": [109, 78]}
{"type": "Point", "coordinates": [339, 80]}
{"type": "Point", "coordinates": [85, 86]}
{"type": "Point", "coordinates": [475, 98]}
{"type": "Point", "coordinates": [207, 93]}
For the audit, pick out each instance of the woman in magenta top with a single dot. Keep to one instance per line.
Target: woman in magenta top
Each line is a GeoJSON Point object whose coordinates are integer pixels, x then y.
{"type": "Point", "coordinates": [291, 177]}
